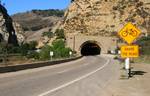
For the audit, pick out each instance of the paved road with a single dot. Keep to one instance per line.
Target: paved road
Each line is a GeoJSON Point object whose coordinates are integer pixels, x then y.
{"type": "Point", "coordinates": [47, 81]}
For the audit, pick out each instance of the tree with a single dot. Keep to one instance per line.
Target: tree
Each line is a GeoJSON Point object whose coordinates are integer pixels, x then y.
{"type": "Point", "coordinates": [45, 52]}
{"type": "Point", "coordinates": [3, 51]}
{"type": "Point", "coordinates": [58, 44]}
{"type": "Point", "coordinates": [144, 43]}
{"type": "Point", "coordinates": [32, 45]}
{"type": "Point", "coordinates": [60, 34]}
{"type": "Point", "coordinates": [60, 51]}
{"type": "Point", "coordinates": [48, 34]}
{"type": "Point", "coordinates": [11, 49]}
{"type": "Point", "coordinates": [26, 47]}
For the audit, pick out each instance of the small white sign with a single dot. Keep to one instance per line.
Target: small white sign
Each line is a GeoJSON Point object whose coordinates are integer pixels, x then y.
{"type": "Point", "coordinates": [70, 53]}
{"type": "Point", "coordinates": [51, 53]}
{"type": "Point", "coordinates": [113, 52]}
{"type": "Point", "coordinates": [119, 52]}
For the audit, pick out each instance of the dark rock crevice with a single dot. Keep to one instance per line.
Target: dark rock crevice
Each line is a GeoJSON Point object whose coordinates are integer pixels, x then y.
{"type": "Point", "coordinates": [8, 24]}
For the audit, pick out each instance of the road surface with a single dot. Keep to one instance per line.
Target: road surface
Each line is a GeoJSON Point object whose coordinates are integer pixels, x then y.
{"type": "Point", "coordinates": [84, 77]}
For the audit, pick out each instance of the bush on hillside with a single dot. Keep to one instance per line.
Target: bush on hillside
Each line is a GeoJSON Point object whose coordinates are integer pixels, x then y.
{"type": "Point", "coordinates": [59, 49]}
{"type": "Point", "coordinates": [48, 34]}
{"type": "Point", "coordinates": [33, 54]}
{"type": "Point", "coordinates": [49, 12]}
{"type": "Point", "coordinates": [26, 47]}
{"type": "Point", "coordinates": [144, 43]}
{"type": "Point", "coordinates": [60, 34]}
{"type": "Point", "coordinates": [45, 52]}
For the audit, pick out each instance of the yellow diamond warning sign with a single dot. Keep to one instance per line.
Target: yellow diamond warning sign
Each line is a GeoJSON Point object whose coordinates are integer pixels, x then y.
{"type": "Point", "coordinates": [129, 33]}
{"type": "Point", "coordinates": [129, 51]}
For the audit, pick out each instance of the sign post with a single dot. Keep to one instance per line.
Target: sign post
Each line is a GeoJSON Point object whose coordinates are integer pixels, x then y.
{"type": "Point", "coordinates": [129, 33]}
{"type": "Point", "coordinates": [127, 66]}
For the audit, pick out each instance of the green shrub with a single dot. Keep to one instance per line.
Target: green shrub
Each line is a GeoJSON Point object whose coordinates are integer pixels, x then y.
{"type": "Point", "coordinates": [45, 52]}
{"type": "Point", "coordinates": [26, 47]}
{"type": "Point", "coordinates": [33, 54]}
{"type": "Point", "coordinates": [60, 34]}
{"type": "Point", "coordinates": [48, 34]}
{"type": "Point", "coordinates": [59, 49]}
{"type": "Point", "coordinates": [65, 52]}
{"type": "Point", "coordinates": [49, 12]}
{"type": "Point", "coordinates": [58, 44]}
{"type": "Point", "coordinates": [32, 45]}
{"type": "Point", "coordinates": [144, 44]}
{"type": "Point", "coordinates": [13, 49]}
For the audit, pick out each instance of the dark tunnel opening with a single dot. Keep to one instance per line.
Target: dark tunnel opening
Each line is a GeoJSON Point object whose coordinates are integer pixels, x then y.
{"type": "Point", "coordinates": [90, 48]}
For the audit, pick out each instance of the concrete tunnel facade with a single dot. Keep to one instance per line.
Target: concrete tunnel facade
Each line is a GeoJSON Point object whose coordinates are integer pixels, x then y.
{"type": "Point", "coordinates": [99, 44]}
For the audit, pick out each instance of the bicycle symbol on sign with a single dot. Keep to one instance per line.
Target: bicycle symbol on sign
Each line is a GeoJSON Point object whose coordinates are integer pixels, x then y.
{"type": "Point", "coordinates": [131, 32]}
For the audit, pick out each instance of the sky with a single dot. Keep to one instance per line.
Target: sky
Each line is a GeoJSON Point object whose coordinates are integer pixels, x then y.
{"type": "Point", "coordinates": [17, 6]}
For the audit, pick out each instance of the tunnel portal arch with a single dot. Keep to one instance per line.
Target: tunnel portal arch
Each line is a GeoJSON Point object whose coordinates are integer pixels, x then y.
{"type": "Point", "coordinates": [90, 48]}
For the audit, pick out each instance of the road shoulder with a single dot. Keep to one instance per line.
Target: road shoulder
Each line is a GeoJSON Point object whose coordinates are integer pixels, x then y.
{"type": "Point", "coordinates": [138, 85]}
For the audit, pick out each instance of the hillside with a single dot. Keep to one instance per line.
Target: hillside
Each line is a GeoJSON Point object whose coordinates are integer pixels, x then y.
{"type": "Point", "coordinates": [36, 22]}
{"type": "Point", "coordinates": [106, 17]}
{"type": "Point", "coordinates": [37, 19]}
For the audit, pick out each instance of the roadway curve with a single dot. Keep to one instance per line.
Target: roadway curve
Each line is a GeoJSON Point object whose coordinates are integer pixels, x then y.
{"type": "Point", "coordinates": [87, 76]}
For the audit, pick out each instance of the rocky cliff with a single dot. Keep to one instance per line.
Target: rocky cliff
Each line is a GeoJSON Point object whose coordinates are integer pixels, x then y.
{"type": "Point", "coordinates": [9, 30]}
{"type": "Point", "coordinates": [106, 17]}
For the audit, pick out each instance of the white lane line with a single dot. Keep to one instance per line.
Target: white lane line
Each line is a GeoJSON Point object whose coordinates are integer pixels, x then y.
{"type": "Point", "coordinates": [71, 82]}
{"type": "Point", "coordinates": [72, 68]}
{"type": "Point", "coordinates": [64, 71]}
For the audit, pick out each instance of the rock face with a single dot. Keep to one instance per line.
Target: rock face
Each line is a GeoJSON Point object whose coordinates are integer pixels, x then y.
{"type": "Point", "coordinates": [19, 32]}
{"type": "Point", "coordinates": [106, 17]}
{"type": "Point", "coordinates": [7, 30]}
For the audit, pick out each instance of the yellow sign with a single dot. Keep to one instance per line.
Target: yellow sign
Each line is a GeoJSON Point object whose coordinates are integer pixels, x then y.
{"type": "Point", "coordinates": [129, 33]}
{"type": "Point", "coordinates": [129, 51]}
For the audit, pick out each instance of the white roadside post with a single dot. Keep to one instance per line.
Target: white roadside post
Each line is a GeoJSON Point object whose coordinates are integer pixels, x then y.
{"type": "Point", "coordinates": [70, 53]}
{"type": "Point", "coordinates": [127, 63]}
{"type": "Point", "coordinates": [119, 52]}
{"type": "Point", "coordinates": [127, 66]}
{"type": "Point", "coordinates": [51, 54]}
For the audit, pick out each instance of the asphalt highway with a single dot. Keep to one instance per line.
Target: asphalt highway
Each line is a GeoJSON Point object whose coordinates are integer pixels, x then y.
{"type": "Point", "coordinates": [45, 81]}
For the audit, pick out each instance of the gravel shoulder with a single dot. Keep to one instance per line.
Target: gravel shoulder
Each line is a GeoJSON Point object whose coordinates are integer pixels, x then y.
{"type": "Point", "coordinates": [138, 85]}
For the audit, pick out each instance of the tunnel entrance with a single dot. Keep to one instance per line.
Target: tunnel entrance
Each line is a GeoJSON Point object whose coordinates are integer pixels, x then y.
{"type": "Point", "coordinates": [90, 48]}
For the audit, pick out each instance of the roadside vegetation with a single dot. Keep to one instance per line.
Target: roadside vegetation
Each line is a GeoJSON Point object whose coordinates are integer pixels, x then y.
{"type": "Point", "coordinates": [59, 49]}
{"type": "Point", "coordinates": [144, 44]}
{"type": "Point", "coordinates": [58, 46]}
{"type": "Point", "coordinates": [28, 51]}
{"type": "Point", "coordinates": [49, 12]}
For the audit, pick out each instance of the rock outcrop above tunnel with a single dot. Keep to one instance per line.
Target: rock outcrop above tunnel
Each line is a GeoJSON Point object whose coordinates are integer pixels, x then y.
{"type": "Point", "coordinates": [106, 17]}
{"type": "Point", "coordinates": [9, 31]}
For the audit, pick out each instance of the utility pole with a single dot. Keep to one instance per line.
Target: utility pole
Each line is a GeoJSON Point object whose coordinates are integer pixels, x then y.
{"type": "Point", "coordinates": [74, 42]}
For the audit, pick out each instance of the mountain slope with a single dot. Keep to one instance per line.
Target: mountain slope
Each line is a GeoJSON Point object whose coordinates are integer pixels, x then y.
{"type": "Point", "coordinates": [35, 22]}
{"type": "Point", "coordinates": [37, 19]}
{"type": "Point", "coordinates": [106, 17]}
